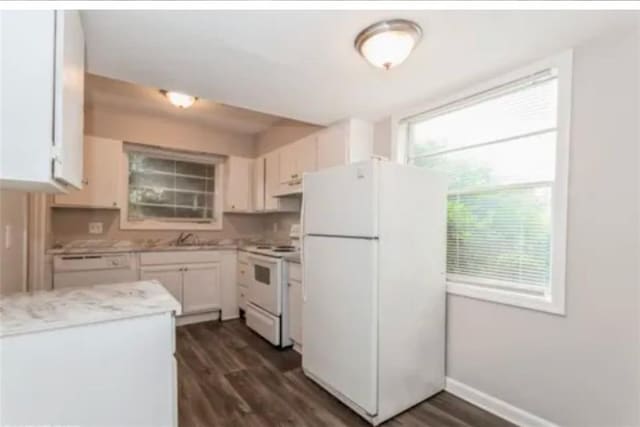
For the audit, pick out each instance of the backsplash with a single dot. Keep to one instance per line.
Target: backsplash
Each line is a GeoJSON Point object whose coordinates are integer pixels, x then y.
{"type": "Point", "coordinates": [73, 224]}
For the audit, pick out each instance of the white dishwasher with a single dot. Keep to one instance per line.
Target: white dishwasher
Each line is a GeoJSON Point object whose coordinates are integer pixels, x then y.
{"type": "Point", "coordinates": [94, 269]}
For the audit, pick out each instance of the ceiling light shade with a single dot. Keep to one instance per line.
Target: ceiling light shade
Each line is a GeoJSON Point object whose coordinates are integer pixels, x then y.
{"type": "Point", "coordinates": [180, 100]}
{"type": "Point", "coordinates": [388, 43]}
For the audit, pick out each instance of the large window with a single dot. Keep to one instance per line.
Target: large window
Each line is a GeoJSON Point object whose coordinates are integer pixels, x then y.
{"type": "Point", "coordinates": [167, 189]}
{"type": "Point", "coordinates": [503, 149]}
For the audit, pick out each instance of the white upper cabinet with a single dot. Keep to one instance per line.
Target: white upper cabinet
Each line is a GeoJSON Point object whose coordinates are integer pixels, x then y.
{"type": "Point", "coordinates": [101, 178]}
{"type": "Point", "coordinates": [272, 187]}
{"type": "Point", "coordinates": [345, 142]}
{"type": "Point", "coordinates": [288, 163]}
{"type": "Point", "coordinates": [332, 147]}
{"type": "Point", "coordinates": [42, 100]}
{"type": "Point", "coordinates": [306, 155]}
{"type": "Point", "coordinates": [238, 178]}
{"type": "Point", "coordinates": [259, 184]}
{"type": "Point", "coordinates": [296, 159]}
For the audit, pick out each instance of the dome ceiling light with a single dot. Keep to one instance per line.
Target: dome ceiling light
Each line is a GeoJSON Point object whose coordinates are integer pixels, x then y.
{"type": "Point", "coordinates": [386, 44]}
{"type": "Point", "coordinates": [178, 99]}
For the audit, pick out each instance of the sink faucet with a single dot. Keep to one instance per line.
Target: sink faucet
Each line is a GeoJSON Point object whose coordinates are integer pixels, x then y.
{"type": "Point", "coordinates": [183, 237]}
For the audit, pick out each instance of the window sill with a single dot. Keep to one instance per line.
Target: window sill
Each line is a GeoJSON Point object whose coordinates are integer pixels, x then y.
{"type": "Point", "coordinates": [502, 296]}
{"type": "Point", "coordinates": [180, 226]}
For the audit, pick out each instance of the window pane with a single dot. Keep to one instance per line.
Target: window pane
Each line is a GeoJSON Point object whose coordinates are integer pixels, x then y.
{"type": "Point", "coordinates": [527, 110]}
{"type": "Point", "coordinates": [502, 235]}
{"type": "Point", "coordinates": [529, 159]}
{"type": "Point", "coordinates": [162, 188]}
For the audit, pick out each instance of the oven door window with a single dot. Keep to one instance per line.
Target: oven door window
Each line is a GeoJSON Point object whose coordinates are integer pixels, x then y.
{"type": "Point", "coordinates": [262, 274]}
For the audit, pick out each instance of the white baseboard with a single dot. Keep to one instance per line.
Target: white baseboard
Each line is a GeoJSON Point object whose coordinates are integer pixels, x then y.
{"type": "Point", "coordinates": [494, 405]}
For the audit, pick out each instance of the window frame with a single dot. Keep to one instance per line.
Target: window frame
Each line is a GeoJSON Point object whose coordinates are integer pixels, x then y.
{"type": "Point", "coordinates": [553, 301]}
{"type": "Point", "coordinates": [153, 224]}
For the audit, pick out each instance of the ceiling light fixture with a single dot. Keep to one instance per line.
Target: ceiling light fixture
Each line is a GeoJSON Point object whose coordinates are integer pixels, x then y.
{"type": "Point", "coordinates": [386, 44]}
{"type": "Point", "coordinates": [180, 100]}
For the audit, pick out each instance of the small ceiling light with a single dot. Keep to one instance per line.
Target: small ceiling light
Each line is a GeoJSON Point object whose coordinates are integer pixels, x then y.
{"type": "Point", "coordinates": [388, 43]}
{"type": "Point", "coordinates": [180, 100]}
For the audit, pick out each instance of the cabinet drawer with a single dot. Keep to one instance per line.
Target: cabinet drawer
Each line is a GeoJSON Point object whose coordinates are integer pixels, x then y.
{"type": "Point", "coordinates": [263, 323]}
{"type": "Point", "coordinates": [295, 271]}
{"type": "Point", "coordinates": [179, 257]}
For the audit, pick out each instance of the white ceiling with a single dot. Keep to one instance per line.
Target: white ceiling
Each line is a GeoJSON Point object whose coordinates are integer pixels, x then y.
{"type": "Point", "coordinates": [102, 92]}
{"type": "Point", "coordinates": [302, 65]}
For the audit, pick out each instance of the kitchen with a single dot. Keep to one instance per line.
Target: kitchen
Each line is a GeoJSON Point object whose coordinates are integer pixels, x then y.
{"type": "Point", "coordinates": [255, 258]}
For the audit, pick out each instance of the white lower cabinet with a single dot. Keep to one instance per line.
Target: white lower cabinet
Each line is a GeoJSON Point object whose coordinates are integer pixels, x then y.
{"type": "Point", "coordinates": [203, 282]}
{"type": "Point", "coordinates": [169, 276]}
{"type": "Point", "coordinates": [201, 288]}
{"type": "Point", "coordinates": [115, 373]}
{"type": "Point", "coordinates": [294, 285]}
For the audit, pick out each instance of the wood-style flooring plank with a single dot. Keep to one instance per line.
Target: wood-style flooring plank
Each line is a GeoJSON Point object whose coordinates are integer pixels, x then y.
{"type": "Point", "coordinates": [228, 376]}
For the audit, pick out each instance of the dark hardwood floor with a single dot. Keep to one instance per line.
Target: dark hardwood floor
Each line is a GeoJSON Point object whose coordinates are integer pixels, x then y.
{"type": "Point", "coordinates": [229, 376]}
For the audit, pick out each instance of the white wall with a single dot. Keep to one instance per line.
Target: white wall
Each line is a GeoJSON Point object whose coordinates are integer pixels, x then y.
{"type": "Point", "coordinates": [13, 219]}
{"type": "Point", "coordinates": [582, 369]}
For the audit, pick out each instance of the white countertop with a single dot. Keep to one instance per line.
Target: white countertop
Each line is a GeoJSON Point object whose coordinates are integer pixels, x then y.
{"type": "Point", "coordinates": [133, 248]}
{"type": "Point", "coordinates": [44, 310]}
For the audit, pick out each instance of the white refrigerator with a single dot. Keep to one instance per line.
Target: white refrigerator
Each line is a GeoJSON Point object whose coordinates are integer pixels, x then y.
{"type": "Point", "coordinates": [374, 245]}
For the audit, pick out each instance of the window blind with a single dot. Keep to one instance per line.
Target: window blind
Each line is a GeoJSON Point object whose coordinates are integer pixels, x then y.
{"type": "Point", "coordinates": [498, 150]}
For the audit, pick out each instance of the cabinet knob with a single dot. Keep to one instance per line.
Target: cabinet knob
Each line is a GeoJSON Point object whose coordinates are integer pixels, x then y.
{"type": "Point", "coordinates": [115, 203]}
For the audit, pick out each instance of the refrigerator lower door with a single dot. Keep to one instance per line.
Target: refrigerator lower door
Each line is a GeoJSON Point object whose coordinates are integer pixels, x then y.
{"type": "Point", "coordinates": [342, 201]}
{"type": "Point", "coordinates": [340, 316]}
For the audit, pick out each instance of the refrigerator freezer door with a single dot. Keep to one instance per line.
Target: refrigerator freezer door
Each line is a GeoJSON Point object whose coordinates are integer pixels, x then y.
{"type": "Point", "coordinates": [339, 316]}
{"type": "Point", "coordinates": [341, 201]}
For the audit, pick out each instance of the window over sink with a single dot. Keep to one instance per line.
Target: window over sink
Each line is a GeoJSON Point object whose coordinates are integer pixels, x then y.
{"type": "Point", "coordinates": [171, 189]}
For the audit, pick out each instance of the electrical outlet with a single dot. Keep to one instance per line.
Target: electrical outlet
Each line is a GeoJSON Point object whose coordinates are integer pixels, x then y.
{"type": "Point", "coordinates": [95, 228]}
{"type": "Point", "coordinates": [8, 236]}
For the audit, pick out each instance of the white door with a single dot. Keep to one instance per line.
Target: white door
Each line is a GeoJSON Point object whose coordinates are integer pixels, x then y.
{"type": "Point", "coordinates": [201, 288]}
{"type": "Point", "coordinates": [342, 201]}
{"type": "Point", "coordinates": [169, 276]}
{"type": "Point", "coordinates": [340, 316]}
{"type": "Point", "coordinates": [69, 97]}
{"type": "Point", "coordinates": [295, 310]}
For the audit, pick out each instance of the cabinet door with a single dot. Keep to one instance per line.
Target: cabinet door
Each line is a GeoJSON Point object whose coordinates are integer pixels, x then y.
{"type": "Point", "coordinates": [332, 147]}
{"type": "Point", "coordinates": [259, 184]}
{"type": "Point", "coordinates": [271, 178]}
{"type": "Point", "coordinates": [169, 276]}
{"type": "Point", "coordinates": [306, 155]}
{"type": "Point", "coordinates": [288, 163]}
{"type": "Point", "coordinates": [102, 169]}
{"type": "Point", "coordinates": [295, 311]}
{"type": "Point", "coordinates": [201, 288]}
{"type": "Point", "coordinates": [69, 98]}
{"type": "Point", "coordinates": [238, 184]}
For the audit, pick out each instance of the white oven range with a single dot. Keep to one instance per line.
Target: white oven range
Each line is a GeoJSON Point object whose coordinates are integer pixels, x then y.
{"type": "Point", "coordinates": [266, 311]}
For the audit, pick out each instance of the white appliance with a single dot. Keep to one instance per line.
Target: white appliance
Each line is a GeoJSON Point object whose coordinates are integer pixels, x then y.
{"type": "Point", "coordinates": [374, 244]}
{"type": "Point", "coordinates": [94, 269]}
{"type": "Point", "coordinates": [266, 311]}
